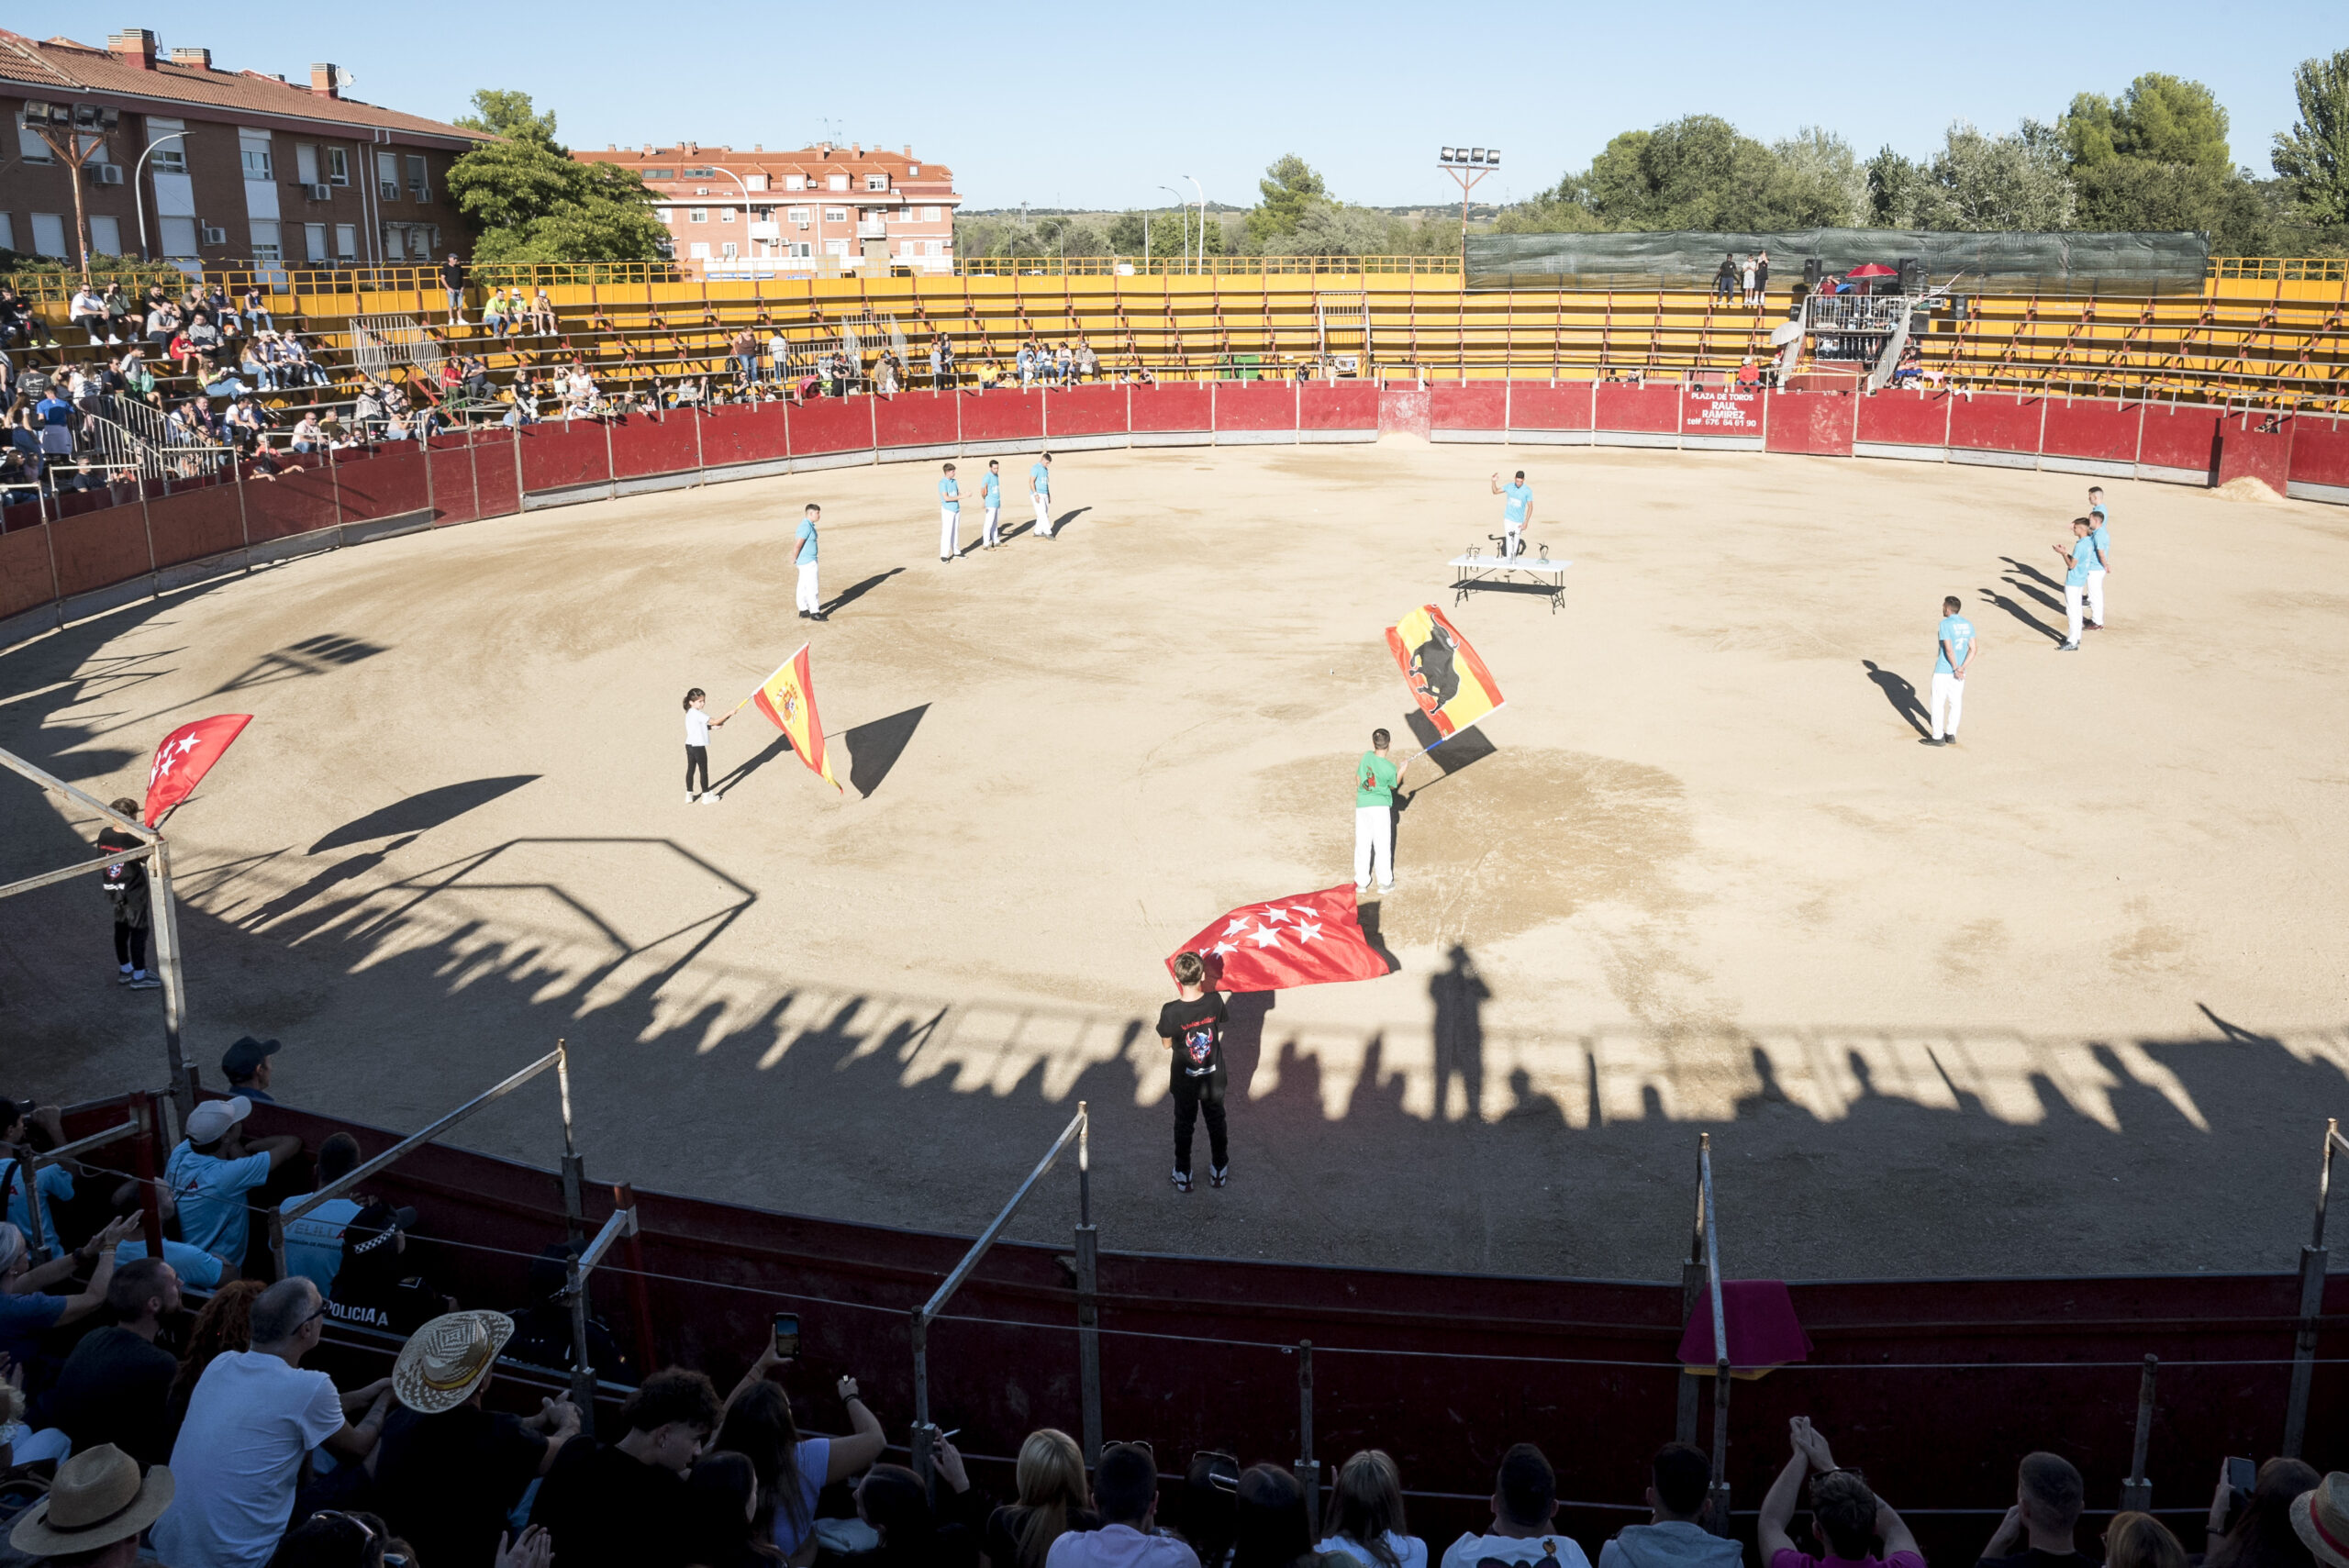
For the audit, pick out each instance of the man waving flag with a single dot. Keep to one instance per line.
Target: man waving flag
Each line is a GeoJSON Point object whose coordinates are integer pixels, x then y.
{"type": "Point", "coordinates": [788, 697]}
{"type": "Point", "coordinates": [1310, 939]}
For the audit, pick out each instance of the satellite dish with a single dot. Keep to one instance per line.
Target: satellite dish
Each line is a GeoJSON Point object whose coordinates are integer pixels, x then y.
{"type": "Point", "coordinates": [345, 77]}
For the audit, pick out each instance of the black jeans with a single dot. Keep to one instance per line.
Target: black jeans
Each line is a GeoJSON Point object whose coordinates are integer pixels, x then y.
{"type": "Point", "coordinates": [130, 944]}
{"type": "Point", "coordinates": [696, 758]}
{"type": "Point", "coordinates": [1193, 1095]}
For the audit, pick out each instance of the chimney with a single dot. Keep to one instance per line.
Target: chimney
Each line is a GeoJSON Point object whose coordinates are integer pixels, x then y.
{"type": "Point", "coordinates": [909, 149]}
{"type": "Point", "coordinates": [758, 147]}
{"type": "Point", "coordinates": [856, 149]}
{"type": "Point", "coordinates": [134, 47]}
{"type": "Point", "coordinates": [322, 83]}
{"type": "Point", "coordinates": [195, 59]}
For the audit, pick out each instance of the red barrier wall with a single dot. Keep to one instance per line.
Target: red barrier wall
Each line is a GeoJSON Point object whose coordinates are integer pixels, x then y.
{"type": "Point", "coordinates": [2248, 451]}
{"type": "Point", "coordinates": [1018, 416]}
{"type": "Point", "coordinates": [2179, 437]}
{"type": "Point", "coordinates": [23, 572]}
{"type": "Point", "coordinates": [831, 425]}
{"type": "Point", "coordinates": [1995, 422]}
{"type": "Point", "coordinates": [1337, 405]}
{"type": "Point", "coordinates": [2321, 454]}
{"type": "Point", "coordinates": [2091, 427]}
{"type": "Point", "coordinates": [642, 445]}
{"type": "Point", "coordinates": [1905, 418]}
{"type": "Point", "coordinates": [745, 435]}
{"type": "Point", "coordinates": [1533, 407]}
{"type": "Point", "coordinates": [1180, 406]}
{"type": "Point", "coordinates": [452, 459]}
{"type": "Point", "coordinates": [189, 525]}
{"type": "Point", "coordinates": [1079, 411]}
{"type": "Point", "coordinates": [497, 481]}
{"type": "Point", "coordinates": [1721, 411]}
{"type": "Point", "coordinates": [557, 456]}
{"type": "Point", "coordinates": [917, 419]}
{"type": "Point", "coordinates": [78, 503]}
{"type": "Point", "coordinates": [298, 502]}
{"type": "Point", "coordinates": [1816, 423]}
{"type": "Point", "coordinates": [104, 548]}
{"type": "Point", "coordinates": [1468, 406]}
{"type": "Point", "coordinates": [382, 487]}
{"type": "Point", "coordinates": [1622, 407]}
{"type": "Point", "coordinates": [1255, 406]}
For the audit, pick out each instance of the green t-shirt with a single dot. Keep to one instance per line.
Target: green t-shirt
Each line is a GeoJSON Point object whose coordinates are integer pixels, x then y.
{"type": "Point", "coordinates": [1383, 774]}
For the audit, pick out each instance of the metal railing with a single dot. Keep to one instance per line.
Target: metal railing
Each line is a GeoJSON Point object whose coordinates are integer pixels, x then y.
{"type": "Point", "coordinates": [379, 342]}
{"type": "Point", "coordinates": [2314, 1259]}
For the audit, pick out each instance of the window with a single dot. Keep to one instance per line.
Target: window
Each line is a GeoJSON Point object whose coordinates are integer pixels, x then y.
{"type": "Point", "coordinates": [836, 214]}
{"type": "Point", "coordinates": [727, 250]}
{"type": "Point", "coordinates": [905, 247]}
{"type": "Point", "coordinates": [394, 241]}
{"type": "Point", "coordinates": [314, 241]}
{"type": "Point", "coordinates": [659, 173]}
{"type": "Point", "coordinates": [703, 173]}
{"type": "Point", "coordinates": [835, 247]}
{"type": "Point", "coordinates": [700, 250]}
{"type": "Point", "coordinates": [726, 215]}
{"type": "Point", "coordinates": [420, 183]}
{"type": "Point", "coordinates": [8, 232]}
{"type": "Point", "coordinates": [797, 214]}
{"type": "Point", "coordinates": [929, 215]}
{"type": "Point", "coordinates": [756, 182]}
{"type": "Point", "coordinates": [306, 163]}
{"type": "Point", "coordinates": [913, 171]}
{"type": "Point", "coordinates": [795, 181]}
{"type": "Point", "coordinates": [179, 237]}
{"type": "Point", "coordinates": [837, 183]}
{"type": "Point", "coordinates": [265, 246]}
{"type": "Point", "coordinates": [29, 146]}
{"type": "Point", "coordinates": [106, 235]}
{"type": "Point", "coordinates": [346, 242]}
{"type": "Point", "coordinates": [170, 156]}
{"type": "Point", "coordinates": [877, 181]}
{"type": "Point", "coordinates": [48, 234]}
{"type": "Point", "coordinates": [930, 246]}
{"type": "Point", "coordinates": [387, 176]}
{"type": "Point", "coordinates": [253, 151]}
{"type": "Point", "coordinates": [698, 215]}
{"type": "Point", "coordinates": [337, 167]}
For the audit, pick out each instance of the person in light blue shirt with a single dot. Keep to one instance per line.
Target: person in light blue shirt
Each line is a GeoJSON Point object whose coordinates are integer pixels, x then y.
{"type": "Point", "coordinates": [213, 1168]}
{"type": "Point", "coordinates": [1953, 653]}
{"type": "Point", "coordinates": [1516, 510]}
{"type": "Point", "coordinates": [1040, 490]}
{"type": "Point", "coordinates": [950, 516]}
{"type": "Point", "coordinates": [54, 1184]}
{"type": "Point", "coordinates": [2079, 560]}
{"type": "Point", "coordinates": [991, 500]}
{"type": "Point", "coordinates": [198, 1269]}
{"type": "Point", "coordinates": [810, 598]}
{"type": "Point", "coordinates": [2102, 535]}
{"type": "Point", "coordinates": [314, 1242]}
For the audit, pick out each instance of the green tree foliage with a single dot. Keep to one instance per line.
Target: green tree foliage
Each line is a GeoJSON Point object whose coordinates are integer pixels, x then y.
{"type": "Point", "coordinates": [1168, 232]}
{"type": "Point", "coordinates": [1981, 183]}
{"type": "Point", "coordinates": [528, 201]}
{"type": "Point", "coordinates": [2160, 119]}
{"type": "Point", "coordinates": [1288, 188]}
{"type": "Point", "coordinates": [1816, 183]}
{"type": "Point", "coordinates": [1695, 173]}
{"type": "Point", "coordinates": [2314, 154]}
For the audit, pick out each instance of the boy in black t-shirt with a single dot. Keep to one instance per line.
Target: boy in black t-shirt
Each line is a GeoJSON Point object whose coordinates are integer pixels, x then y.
{"type": "Point", "coordinates": [1191, 1027]}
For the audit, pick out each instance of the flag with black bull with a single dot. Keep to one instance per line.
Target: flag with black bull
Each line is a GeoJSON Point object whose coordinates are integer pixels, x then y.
{"type": "Point", "coordinates": [1447, 679]}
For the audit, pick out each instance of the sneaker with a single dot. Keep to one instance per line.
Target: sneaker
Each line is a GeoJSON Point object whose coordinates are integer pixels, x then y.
{"type": "Point", "coordinates": [692, 799]}
{"type": "Point", "coordinates": [1951, 739]}
{"type": "Point", "coordinates": [123, 978]}
{"type": "Point", "coordinates": [1219, 1175]}
{"type": "Point", "coordinates": [1932, 740]}
{"type": "Point", "coordinates": [818, 615]}
{"type": "Point", "coordinates": [1181, 1181]}
{"type": "Point", "coordinates": [2070, 648]}
{"type": "Point", "coordinates": [146, 982]}
{"type": "Point", "coordinates": [1362, 888]}
{"type": "Point", "coordinates": [2094, 625]}
{"type": "Point", "coordinates": [712, 798]}
{"type": "Point", "coordinates": [1385, 887]}
{"type": "Point", "coordinates": [803, 614]}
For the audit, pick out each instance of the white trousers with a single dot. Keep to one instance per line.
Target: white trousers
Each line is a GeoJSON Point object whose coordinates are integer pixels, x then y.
{"type": "Point", "coordinates": [1949, 703]}
{"type": "Point", "coordinates": [808, 598]}
{"type": "Point", "coordinates": [992, 513]}
{"type": "Point", "coordinates": [1511, 541]}
{"type": "Point", "coordinates": [949, 532]}
{"type": "Point", "coordinates": [1044, 515]}
{"type": "Point", "coordinates": [2096, 597]}
{"type": "Point", "coordinates": [2072, 594]}
{"type": "Point", "coordinates": [1374, 844]}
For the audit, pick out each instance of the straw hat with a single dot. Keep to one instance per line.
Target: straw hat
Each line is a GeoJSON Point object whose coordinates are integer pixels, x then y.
{"type": "Point", "coordinates": [444, 1362]}
{"type": "Point", "coordinates": [2321, 1518]}
{"type": "Point", "coordinates": [97, 1498]}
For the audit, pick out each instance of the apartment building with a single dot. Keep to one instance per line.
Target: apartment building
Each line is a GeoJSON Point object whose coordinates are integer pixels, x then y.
{"type": "Point", "coordinates": [818, 209]}
{"type": "Point", "coordinates": [192, 162]}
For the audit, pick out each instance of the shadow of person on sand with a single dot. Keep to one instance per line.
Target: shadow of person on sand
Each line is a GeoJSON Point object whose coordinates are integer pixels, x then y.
{"type": "Point", "coordinates": [1899, 693]}
{"type": "Point", "coordinates": [2022, 615]}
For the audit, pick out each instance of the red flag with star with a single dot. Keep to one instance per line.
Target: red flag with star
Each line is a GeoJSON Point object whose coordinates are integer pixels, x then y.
{"type": "Point", "coordinates": [186, 754]}
{"type": "Point", "coordinates": [1310, 939]}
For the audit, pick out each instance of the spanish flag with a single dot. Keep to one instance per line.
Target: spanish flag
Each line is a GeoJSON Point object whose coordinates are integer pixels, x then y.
{"type": "Point", "coordinates": [1448, 681]}
{"type": "Point", "coordinates": [788, 697]}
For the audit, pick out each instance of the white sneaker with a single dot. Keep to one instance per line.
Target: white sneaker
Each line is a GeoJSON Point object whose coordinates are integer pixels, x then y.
{"type": "Point", "coordinates": [1385, 887]}
{"type": "Point", "coordinates": [692, 799]}
{"type": "Point", "coordinates": [712, 798]}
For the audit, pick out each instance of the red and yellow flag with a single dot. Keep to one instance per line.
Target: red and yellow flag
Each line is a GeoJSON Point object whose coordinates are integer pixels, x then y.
{"type": "Point", "coordinates": [788, 697]}
{"type": "Point", "coordinates": [1448, 681]}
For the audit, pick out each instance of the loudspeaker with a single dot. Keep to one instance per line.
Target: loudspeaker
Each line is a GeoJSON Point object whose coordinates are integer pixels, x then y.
{"type": "Point", "coordinates": [1813, 269]}
{"type": "Point", "coordinates": [1912, 276]}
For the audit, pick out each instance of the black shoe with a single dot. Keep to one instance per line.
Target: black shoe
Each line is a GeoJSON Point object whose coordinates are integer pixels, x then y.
{"type": "Point", "coordinates": [1219, 1175]}
{"type": "Point", "coordinates": [1951, 739]}
{"type": "Point", "coordinates": [1181, 1181]}
{"type": "Point", "coordinates": [818, 615]}
{"type": "Point", "coordinates": [803, 614]}
{"type": "Point", "coordinates": [1932, 740]}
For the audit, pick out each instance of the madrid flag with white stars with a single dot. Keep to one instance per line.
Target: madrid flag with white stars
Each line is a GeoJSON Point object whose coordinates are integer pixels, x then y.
{"type": "Point", "coordinates": [186, 754]}
{"type": "Point", "coordinates": [1310, 939]}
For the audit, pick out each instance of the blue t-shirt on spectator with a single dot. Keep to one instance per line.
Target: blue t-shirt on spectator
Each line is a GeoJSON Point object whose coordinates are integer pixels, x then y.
{"type": "Point", "coordinates": [1039, 479]}
{"type": "Point", "coordinates": [1515, 499]}
{"type": "Point", "coordinates": [807, 537]}
{"type": "Point", "coordinates": [813, 1459]}
{"type": "Point", "coordinates": [23, 1321]}
{"type": "Point", "coordinates": [2102, 536]}
{"type": "Point", "coordinates": [195, 1267]}
{"type": "Point", "coordinates": [1956, 635]}
{"type": "Point", "coordinates": [951, 494]}
{"type": "Point", "coordinates": [55, 1185]}
{"type": "Point", "coordinates": [2084, 559]}
{"type": "Point", "coordinates": [211, 1195]}
{"type": "Point", "coordinates": [314, 1242]}
{"type": "Point", "coordinates": [991, 490]}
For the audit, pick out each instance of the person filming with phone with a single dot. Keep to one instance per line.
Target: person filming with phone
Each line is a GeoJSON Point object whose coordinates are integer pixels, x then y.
{"type": "Point", "coordinates": [792, 1469]}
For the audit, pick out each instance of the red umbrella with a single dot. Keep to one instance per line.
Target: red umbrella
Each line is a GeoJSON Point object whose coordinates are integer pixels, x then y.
{"type": "Point", "coordinates": [1872, 269]}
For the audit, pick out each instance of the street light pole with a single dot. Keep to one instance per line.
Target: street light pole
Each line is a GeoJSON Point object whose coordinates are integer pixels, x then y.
{"type": "Point", "coordinates": [1203, 220]}
{"type": "Point", "coordinates": [138, 203]}
{"type": "Point", "coordinates": [746, 201]}
{"type": "Point", "coordinates": [1467, 166]}
{"type": "Point", "coordinates": [76, 121]}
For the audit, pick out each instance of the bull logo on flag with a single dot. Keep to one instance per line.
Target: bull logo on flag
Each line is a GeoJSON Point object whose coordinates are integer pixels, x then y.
{"type": "Point", "coordinates": [1447, 679]}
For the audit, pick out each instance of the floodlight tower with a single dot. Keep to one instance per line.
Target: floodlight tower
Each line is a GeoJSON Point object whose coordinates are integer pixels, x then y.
{"type": "Point", "coordinates": [1467, 166]}
{"type": "Point", "coordinates": [73, 134]}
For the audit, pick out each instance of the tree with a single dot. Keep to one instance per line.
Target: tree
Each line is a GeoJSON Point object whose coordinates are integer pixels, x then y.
{"type": "Point", "coordinates": [527, 200]}
{"type": "Point", "coordinates": [1978, 183]}
{"type": "Point", "coordinates": [1332, 228]}
{"type": "Point", "coordinates": [1289, 184]}
{"type": "Point", "coordinates": [1897, 187]}
{"type": "Point", "coordinates": [1818, 183]}
{"type": "Point", "coordinates": [2314, 154]}
{"type": "Point", "coordinates": [1695, 172]}
{"type": "Point", "coordinates": [2160, 119]}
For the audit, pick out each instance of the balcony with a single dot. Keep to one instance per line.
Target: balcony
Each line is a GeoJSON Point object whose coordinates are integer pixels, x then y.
{"type": "Point", "coordinates": [766, 231]}
{"type": "Point", "coordinates": [872, 228]}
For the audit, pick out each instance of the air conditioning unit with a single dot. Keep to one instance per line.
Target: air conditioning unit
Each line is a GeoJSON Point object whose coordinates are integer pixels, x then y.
{"type": "Point", "coordinates": [318, 192]}
{"type": "Point", "coordinates": [106, 173]}
{"type": "Point", "coordinates": [215, 236]}
{"type": "Point", "coordinates": [803, 223]}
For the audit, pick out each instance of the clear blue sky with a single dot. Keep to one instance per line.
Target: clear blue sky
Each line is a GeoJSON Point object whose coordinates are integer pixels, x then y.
{"type": "Point", "coordinates": [1100, 105]}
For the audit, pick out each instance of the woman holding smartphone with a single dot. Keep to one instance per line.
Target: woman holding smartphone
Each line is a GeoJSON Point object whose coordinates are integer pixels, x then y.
{"type": "Point", "coordinates": [792, 1469]}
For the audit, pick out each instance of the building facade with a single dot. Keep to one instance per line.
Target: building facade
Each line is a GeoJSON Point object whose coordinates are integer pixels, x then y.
{"type": "Point", "coordinates": [190, 162]}
{"type": "Point", "coordinates": [820, 209]}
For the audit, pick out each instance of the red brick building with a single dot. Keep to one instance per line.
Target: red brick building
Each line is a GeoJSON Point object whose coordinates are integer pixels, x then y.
{"type": "Point", "coordinates": [262, 169]}
{"type": "Point", "coordinates": [818, 209]}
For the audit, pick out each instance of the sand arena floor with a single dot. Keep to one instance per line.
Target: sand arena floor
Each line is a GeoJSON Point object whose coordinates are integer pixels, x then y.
{"type": "Point", "coordinates": [2066, 997]}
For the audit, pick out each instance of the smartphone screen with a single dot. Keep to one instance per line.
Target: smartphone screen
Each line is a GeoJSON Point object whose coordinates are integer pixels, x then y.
{"type": "Point", "coordinates": [787, 1333]}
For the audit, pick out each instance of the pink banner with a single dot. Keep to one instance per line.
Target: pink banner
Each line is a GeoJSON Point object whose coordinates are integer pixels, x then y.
{"type": "Point", "coordinates": [1721, 411]}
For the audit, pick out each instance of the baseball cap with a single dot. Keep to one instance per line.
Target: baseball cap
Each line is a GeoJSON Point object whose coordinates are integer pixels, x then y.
{"type": "Point", "coordinates": [210, 1121]}
{"type": "Point", "coordinates": [243, 1057]}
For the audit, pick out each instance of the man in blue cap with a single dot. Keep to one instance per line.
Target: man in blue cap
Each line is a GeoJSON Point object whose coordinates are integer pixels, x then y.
{"type": "Point", "coordinates": [246, 1066]}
